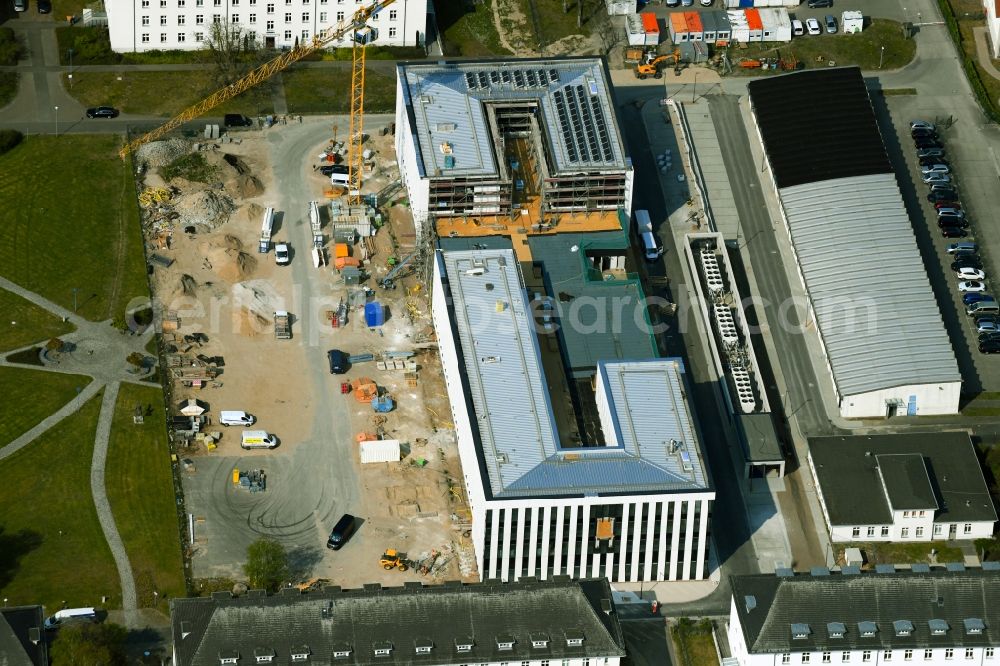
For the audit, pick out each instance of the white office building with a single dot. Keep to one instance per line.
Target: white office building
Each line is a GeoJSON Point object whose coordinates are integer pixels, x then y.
{"type": "Point", "coordinates": [634, 507]}
{"type": "Point", "coordinates": [932, 617]}
{"type": "Point", "coordinates": [146, 25]}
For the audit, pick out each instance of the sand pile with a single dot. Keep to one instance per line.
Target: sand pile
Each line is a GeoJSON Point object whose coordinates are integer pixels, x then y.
{"type": "Point", "coordinates": [227, 259]}
{"type": "Point", "coordinates": [244, 186]}
{"type": "Point", "coordinates": [161, 153]}
{"type": "Point", "coordinates": [252, 214]}
{"type": "Point", "coordinates": [206, 208]}
{"type": "Point", "coordinates": [254, 303]}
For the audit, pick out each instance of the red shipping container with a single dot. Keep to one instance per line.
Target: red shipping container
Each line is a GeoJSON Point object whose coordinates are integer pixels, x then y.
{"type": "Point", "coordinates": [649, 23]}
{"type": "Point", "coordinates": [693, 21]}
{"type": "Point", "coordinates": [753, 19]}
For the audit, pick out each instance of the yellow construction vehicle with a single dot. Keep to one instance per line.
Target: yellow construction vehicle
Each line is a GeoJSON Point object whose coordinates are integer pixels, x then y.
{"type": "Point", "coordinates": [653, 66]}
{"type": "Point", "coordinates": [391, 559]}
{"type": "Point", "coordinates": [356, 24]}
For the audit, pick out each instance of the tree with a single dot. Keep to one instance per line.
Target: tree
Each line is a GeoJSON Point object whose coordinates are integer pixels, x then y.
{"type": "Point", "coordinates": [610, 35]}
{"type": "Point", "coordinates": [86, 644]}
{"type": "Point", "coordinates": [267, 565]}
{"type": "Point", "coordinates": [234, 52]}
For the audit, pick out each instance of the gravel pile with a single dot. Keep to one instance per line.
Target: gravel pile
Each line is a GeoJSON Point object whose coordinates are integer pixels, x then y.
{"type": "Point", "coordinates": [160, 153]}
{"type": "Point", "coordinates": [206, 209]}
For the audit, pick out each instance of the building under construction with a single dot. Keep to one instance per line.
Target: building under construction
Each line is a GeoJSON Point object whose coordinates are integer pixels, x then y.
{"type": "Point", "coordinates": [530, 145]}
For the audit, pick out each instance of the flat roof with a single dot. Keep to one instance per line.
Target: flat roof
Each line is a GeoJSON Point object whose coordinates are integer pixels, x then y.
{"type": "Point", "coordinates": [762, 443]}
{"type": "Point", "coordinates": [906, 481]}
{"type": "Point", "coordinates": [875, 310]}
{"type": "Point", "coordinates": [447, 103]}
{"type": "Point", "coordinates": [847, 468]}
{"type": "Point", "coordinates": [818, 124]}
{"type": "Point", "coordinates": [518, 443]}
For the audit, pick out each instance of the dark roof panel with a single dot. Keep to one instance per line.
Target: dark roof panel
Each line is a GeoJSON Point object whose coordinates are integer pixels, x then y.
{"type": "Point", "coordinates": [818, 125]}
{"type": "Point", "coordinates": [906, 480]}
{"type": "Point", "coordinates": [19, 629]}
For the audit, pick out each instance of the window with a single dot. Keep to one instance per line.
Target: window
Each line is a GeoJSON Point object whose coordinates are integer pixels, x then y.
{"type": "Point", "coordinates": [270, 26]}
{"type": "Point", "coordinates": [826, 657]}
{"type": "Point", "coordinates": [845, 656]}
{"type": "Point", "coordinates": [805, 657]}
{"type": "Point", "coordinates": [180, 20]}
{"type": "Point", "coordinates": [904, 533]}
{"type": "Point", "coordinates": [856, 532]}
{"type": "Point", "coordinates": [145, 3]}
{"type": "Point", "coordinates": [887, 655]}
{"type": "Point", "coordinates": [199, 3]}
{"type": "Point", "coordinates": [919, 532]}
{"type": "Point", "coordinates": [180, 3]}
{"type": "Point", "coordinates": [392, 14]}
{"type": "Point", "coordinates": [937, 530]}
{"type": "Point", "coordinates": [199, 36]}
{"type": "Point", "coordinates": [967, 529]}
{"type": "Point", "coordinates": [180, 36]}
{"type": "Point", "coordinates": [145, 20]}
{"type": "Point", "coordinates": [288, 35]}
{"type": "Point", "coordinates": [383, 652]}
{"type": "Point", "coordinates": [928, 655]}
{"type": "Point", "coordinates": [544, 662]}
{"type": "Point", "coordinates": [342, 654]}
{"type": "Point", "coordinates": [989, 653]}
{"type": "Point", "coordinates": [145, 38]}
{"type": "Point", "coordinates": [866, 655]}
{"type": "Point", "coordinates": [322, 17]}
{"type": "Point", "coordinates": [270, 8]}
{"type": "Point", "coordinates": [907, 655]}
{"type": "Point", "coordinates": [234, 3]}
{"type": "Point", "coordinates": [253, 3]}
{"type": "Point", "coordinates": [216, 18]}
{"type": "Point", "coordinates": [923, 513]}
{"type": "Point", "coordinates": [253, 18]}
{"type": "Point", "coordinates": [234, 18]}
{"type": "Point", "coordinates": [340, 16]}
{"type": "Point", "coordinates": [305, 35]}
{"type": "Point", "coordinates": [885, 530]}
{"type": "Point", "coordinates": [871, 531]}
{"type": "Point", "coordinates": [299, 656]}
{"type": "Point", "coordinates": [305, 17]}
{"type": "Point", "coordinates": [906, 514]}
{"type": "Point", "coordinates": [163, 3]}
{"type": "Point", "coordinates": [199, 19]}
{"type": "Point", "coordinates": [949, 653]}
{"type": "Point", "coordinates": [217, 3]}
{"type": "Point", "coordinates": [392, 32]}
{"type": "Point", "coordinates": [163, 38]}
{"type": "Point", "coordinates": [786, 658]}
{"type": "Point", "coordinates": [288, 17]}
{"type": "Point", "coordinates": [968, 653]}
{"type": "Point", "coordinates": [163, 20]}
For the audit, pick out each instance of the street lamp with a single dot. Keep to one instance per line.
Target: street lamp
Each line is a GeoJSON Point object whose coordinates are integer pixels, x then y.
{"type": "Point", "coordinates": [70, 76]}
{"type": "Point", "coordinates": [881, 53]}
{"type": "Point", "coordinates": [57, 120]}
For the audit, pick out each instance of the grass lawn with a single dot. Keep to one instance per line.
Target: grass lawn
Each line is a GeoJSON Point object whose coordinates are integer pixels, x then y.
{"type": "Point", "coordinates": [468, 29]}
{"type": "Point", "coordinates": [315, 90]}
{"type": "Point", "coordinates": [52, 549]}
{"type": "Point", "coordinates": [553, 23]}
{"type": "Point", "coordinates": [8, 87]}
{"type": "Point", "coordinates": [904, 553]}
{"type": "Point", "coordinates": [141, 491]}
{"type": "Point", "coordinates": [79, 230]}
{"type": "Point", "coordinates": [693, 643]}
{"type": "Point", "coordinates": [816, 51]}
{"type": "Point", "coordinates": [30, 396]}
{"type": "Point", "coordinates": [25, 323]}
{"type": "Point", "coordinates": [142, 92]}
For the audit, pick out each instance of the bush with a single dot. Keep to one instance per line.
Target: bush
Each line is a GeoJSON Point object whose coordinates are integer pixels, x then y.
{"type": "Point", "coordinates": [10, 48]}
{"type": "Point", "coordinates": [9, 139]}
{"type": "Point", "coordinates": [91, 46]}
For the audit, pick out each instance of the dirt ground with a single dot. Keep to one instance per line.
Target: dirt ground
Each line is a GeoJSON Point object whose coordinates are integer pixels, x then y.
{"type": "Point", "coordinates": [219, 285]}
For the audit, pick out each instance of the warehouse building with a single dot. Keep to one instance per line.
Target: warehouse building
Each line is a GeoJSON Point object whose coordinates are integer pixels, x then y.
{"type": "Point", "coordinates": [533, 623]}
{"type": "Point", "coordinates": [532, 143]}
{"type": "Point", "coordinates": [935, 617]}
{"type": "Point", "coordinates": [885, 346]}
{"type": "Point", "coordinates": [577, 458]}
{"type": "Point", "coordinates": [908, 487]}
{"type": "Point", "coordinates": [144, 25]}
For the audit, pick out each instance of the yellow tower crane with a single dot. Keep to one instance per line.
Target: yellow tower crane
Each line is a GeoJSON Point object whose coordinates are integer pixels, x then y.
{"type": "Point", "coordinates": [357, 22]}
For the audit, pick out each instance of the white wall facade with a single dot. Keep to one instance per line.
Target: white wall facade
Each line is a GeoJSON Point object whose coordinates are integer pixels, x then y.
{"type": "Point", "coordinates": [145, 25]}
{"type": "Point", "coordinates": [660, 537]}
{"type": "Point", "coordinates": [411, 171]}
{"type": "Point", "coordinates": [930, 399]}
{"type": "Point", "coordinates": [875, 656]}
{"type": "Point", "coordinates": [992, 8]}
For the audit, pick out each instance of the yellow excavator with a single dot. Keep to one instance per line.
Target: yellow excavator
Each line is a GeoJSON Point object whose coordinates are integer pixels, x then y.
{"type": "Point", "coordinates": [653, 66]}
{"type": "Point", "coordinates": [392, 559]}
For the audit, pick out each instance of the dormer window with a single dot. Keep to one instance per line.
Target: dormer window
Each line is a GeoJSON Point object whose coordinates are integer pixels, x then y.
{"type": "Point", "coordinates": [836, 629]}
{"type": "Point", "coordinates": [464, 647]}
{"type": "Point", "coordinates": [974, 626]}
{"type": "Point", "coordinates": [800, 631]}
{"type": "Point", "coordinates": [903, 627]}
{"type": "Point", "coordinates": [423, 645]}
{"type": "Point", "coordinates": [382, 648]}
{"type": "Point", "coordinates": [341, 654]}
{"type": "Point", "coordinates": [423, 649]}
{"type": "Point", "coordinates": [300, 653]}
{"type": "Point", "coordinates": [265, 658]}
{"type": "Point", "coordinates": [229, 657]}
{"type": "Point", "coordinates": [539, 640]}
{"type": "Point", "coordinates": [938, 627]}
{"type": "Point", "coordinates": [574, 642]}
{"type": "Point", "coordinates": [867, 629]}
{"type": "Point", "coordinates": [464, 643]}
{"type": "Point", "coordinates": [505, 642]}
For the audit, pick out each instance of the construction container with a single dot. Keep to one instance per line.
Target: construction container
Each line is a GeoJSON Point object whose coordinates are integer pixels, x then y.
{"type": "Point", "coordinates": [633, 30]}
{"type": "Point", "coordinates": [738, 23]}
{"type": "Point", "coordinates": [755, 25]}
{"type": "Point", "coordinates": [777, 25]}
{"type": "Point", "coordinates": [383, 404]}
{"type": "Point", "coordinates": [651, 28]}
{"type": "Point", "coordinates": [380, 451]}
{"type": "Point", "coordinates": [677, 28]}
{"type": "Point", "coordinates": [374, 314]}
{"type": "Point", "coordinates": [852, 22]}
{"type": "Point", "coordinates": [341, 250]}
{"type": "Point", "coordinates": [620, 7]}
{"type": "Point", "coordinates": [341, 262]}
{"type": "Point", "coordinates": [715, 25]}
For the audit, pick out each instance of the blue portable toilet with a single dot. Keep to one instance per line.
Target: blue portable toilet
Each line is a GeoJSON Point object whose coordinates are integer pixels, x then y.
{"type": "Point", "coordinates": [374, 314]}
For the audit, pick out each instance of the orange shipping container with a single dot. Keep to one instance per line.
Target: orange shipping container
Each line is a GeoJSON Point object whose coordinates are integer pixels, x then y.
{"type": "Point", "coordinates": [693, 21]}
{"type": "Point", "coordinates": [753, 19]}
{"type": "Point", "coordinates": [340, 262]}
{"type": "Point", "coordinates": [341, 250]}
{"type": "Point", "coordinates": [650, 23]}
{"type": "Point", "coordinates": [678, 23]}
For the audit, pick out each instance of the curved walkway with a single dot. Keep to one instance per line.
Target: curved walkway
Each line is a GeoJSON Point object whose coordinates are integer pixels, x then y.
{"type": "Point", "coordinates": [983, 51]}
{"type": "Point", "coordinates": [100, 353]}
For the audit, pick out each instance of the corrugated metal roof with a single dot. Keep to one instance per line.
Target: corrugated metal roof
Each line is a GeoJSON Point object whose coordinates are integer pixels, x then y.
{"type": "Point", "coordinates": [518, 442]}
{"type": "Point", "coordinates": [448, 112]}
{"type": "Point", "coordinates": [874, 306]}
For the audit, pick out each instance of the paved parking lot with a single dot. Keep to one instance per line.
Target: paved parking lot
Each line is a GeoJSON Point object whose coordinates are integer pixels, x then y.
{"type": "Point", "coordinates": [975, 172]}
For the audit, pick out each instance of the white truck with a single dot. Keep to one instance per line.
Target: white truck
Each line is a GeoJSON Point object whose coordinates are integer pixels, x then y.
{"type": "Point", "coordinates": [652, 250]}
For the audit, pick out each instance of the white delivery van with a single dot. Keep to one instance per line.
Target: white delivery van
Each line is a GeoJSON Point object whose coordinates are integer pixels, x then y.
{"type": "Point", "coordinates": [258, 439]}
{"type": "Point", "coordinates": [76, 614]}
{"type": "Point", "coordinates": [231, 418]}
{"type": "Point", "coordinates": [651, 247]}
{"type": "Point", "coordinates": [797, 29]}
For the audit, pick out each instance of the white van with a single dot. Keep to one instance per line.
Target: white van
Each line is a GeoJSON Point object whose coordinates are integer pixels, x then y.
{"type": "Point", "coordinates": [79, 614]}
{"type": "Point", "coordinates": [231, 418]}
{"type": "Point", "coordinates": [797, 29]}
{"type": "Point", "coordinates": [652, 249]}
{"type": "Point", "coordinates": [258, 439]}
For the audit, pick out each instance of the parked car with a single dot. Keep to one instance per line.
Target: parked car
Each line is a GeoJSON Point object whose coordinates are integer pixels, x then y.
{"type": "Point", "coordinates": [969, 273]}
{"type": "Point", "coordinates": [20, 5]}
{"type": "Point", "coordinates": [236, 120]}
{"type": "Point", "coordinates": [43, 6]}
{"type": "Point", "coordinates": [673, 3]}
{"type": "Point", "coordinates": [926, 142]}
{"type": "Point", "coordinates": [949, 210]}
{"type": "Point", "coordinates": [970, 261]}
{"type": "Point", "coordinates": [936, 195]}
{"type": "Point", "coordinates": [815, 4]}
{"type": "Point", "coordinates": [969, 299]}
{"type": "Point", "coordinates": [687, 3]}
{"type": "Point", "coordinates": [330, 169]}
{"type": "Point", "coordinates": [945, 205]}
{"type": "Point", "coordinates": [991, 346]}
{"type": "Point", "coordinates": [338, 362]}
{"type": "Point", "coordinates": [987, 325]}
{"type": "Point", "coordinates": [926, 161]}
{"type": "Point", "coordinates": [950, 221]}
{"type": "Point", "coordinates": [971, 286]}
{"type": "Point", "coordinates": [797, 28]}
{"type": "Point", "coordinates": [921, 132]}
{"type": "Point", "coordinates": [831, 24]}
{"type": "Point", "coordinates": [922, 124]}
{"type": "Point", "coordinates": [102, 112]}
{"type": "Point", "coordinates": [932, 178]}
{"type": "Point", "coordinates": [935, 168]}
{"type": "Point", "coordinates": [961, 247]}
{"type": "Point", "coordinates": [930, 152]}
{"type": "Point", "coordinates": [993, 319]}
{"type": "Point", "coordinates": [812, 26]}
{"type": "Point", "coordinates": [706, 3]}
{"type": "Point", "coordinates": [953, 232]}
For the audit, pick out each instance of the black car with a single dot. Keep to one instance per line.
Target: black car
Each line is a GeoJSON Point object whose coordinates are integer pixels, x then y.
{"type": "Point", "coordinates": [990, 346]}
{"type": "Point", "coordinates": [102, 112]}
{"type": "Point", "coordinates": [342, 531]}
{"type": "Point", "coordinates": [927, 161]}
{"type": "Point", "coordinates": [966, 262]}
{"type": "Point", "coordinates": [330, 169]}
{"type": "Point", "coordinates": [942, 195]}
{"type": "Point", "coordinates": [43, 6]}
{"type": "Point", "coordinates": [926, 142]}
{"type": "Point", "coordinates": [339, 363]}
{"type": "Point", "coordinates": [953, 232]}
{"type": "Point", "coordinates": [237, 120]}
{"type": "Point", "coordinates": [923, 131]}
{"type": "Point", "coordinates": [952, 221]}
{"type": "Point", "coordinates": [813, 4]}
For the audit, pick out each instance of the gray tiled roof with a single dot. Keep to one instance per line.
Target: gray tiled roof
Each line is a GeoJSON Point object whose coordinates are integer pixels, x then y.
{"type": "Point", "coordinates": [876, 312]}
{"type": "Point", "coordinates": [20, 630]}
{"type": "Point", "coordinates": [404, 618]}
{"type": "Point", "coordinates": [852, 490]}
{"type": "Point", "coordinates": [446, 111]}
{"type": "Point", "coordinates": [882, 599]}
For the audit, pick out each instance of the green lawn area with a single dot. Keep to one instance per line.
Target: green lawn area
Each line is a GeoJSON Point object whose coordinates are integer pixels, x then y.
{"type": "Point", "coordinates": [321, 90]}
{"type": "Point", "coordinates": [862, 50]}
{"type": "Point", "coordinates": [31, 395]}
{"type": "Point", "coordinates": [468, 29]}
{"type": "Point", "coordinates": [77, 229]}
{"type": "Point", "coordinates": [24, 323]}
{"type": "Point", "coordinates": [553, 22]}
{"type": "Point", "coordinates": [693, 643]}
{"type": "Point", "coordinates": [8, 87]}
{"type": "Point", "coordinates": [904, 553]}
{"type": "Point", "coordinates": [52, 549]}
{"type": "Point", "coordinates": [142, 92]}
{"type": "Point", "coordinates": [141, 491]}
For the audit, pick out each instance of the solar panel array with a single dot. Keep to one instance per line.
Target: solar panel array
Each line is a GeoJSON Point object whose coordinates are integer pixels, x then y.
{"type": "Point", "coordinates": [518, 79]}
{"type": "Point", "coordinates": [583, 124]}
